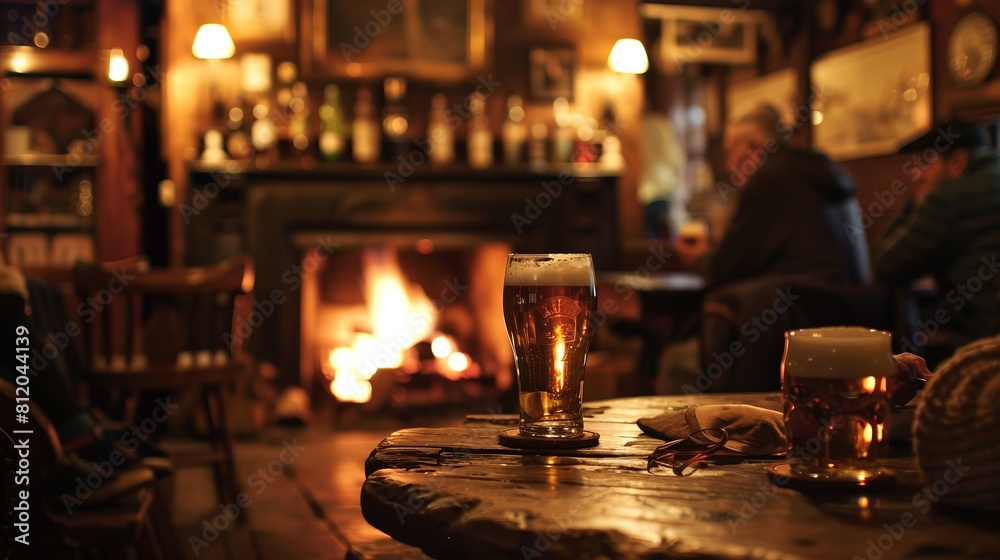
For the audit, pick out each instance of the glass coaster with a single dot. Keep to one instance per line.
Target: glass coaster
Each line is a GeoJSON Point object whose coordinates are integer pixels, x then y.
{"type": "Point", "coordinates": [513, 438]}
{"type": "Point", "coordinates": [780, 474]}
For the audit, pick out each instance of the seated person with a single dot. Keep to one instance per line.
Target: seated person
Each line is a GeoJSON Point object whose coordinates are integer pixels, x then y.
{"type": "Point", "coordinates": [88, 445]}
{"type": "Point", "coordinates": [792, 226]}
{"type": "Point", "coordinates": [951, 231]}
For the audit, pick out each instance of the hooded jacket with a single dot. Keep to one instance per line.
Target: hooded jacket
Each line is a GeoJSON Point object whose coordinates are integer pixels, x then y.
{"type": "Point", "coordinates": [797, 215]}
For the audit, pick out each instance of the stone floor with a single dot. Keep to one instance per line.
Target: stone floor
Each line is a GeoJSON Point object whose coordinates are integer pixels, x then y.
{"type": "Point", "coordinates": [302, 488]}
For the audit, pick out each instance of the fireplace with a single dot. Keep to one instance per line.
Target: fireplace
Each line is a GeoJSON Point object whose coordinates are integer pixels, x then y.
{"type": "Point", "coordinates": [391, 326]}
{"type": "Point", "coordinates": [288, 216]}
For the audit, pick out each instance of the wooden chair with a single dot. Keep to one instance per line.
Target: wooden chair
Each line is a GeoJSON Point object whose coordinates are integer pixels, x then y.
{"type": "Point", "coordinates": [137, 523]}
{"type": "Point", "coordinates": [169, 329]}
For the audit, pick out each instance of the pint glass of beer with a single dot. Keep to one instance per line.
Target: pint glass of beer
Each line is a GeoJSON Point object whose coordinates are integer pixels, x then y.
{"type": "Point", "coordinates": [837, 384]}
{"type": "Point", "coordinates": [547, 303]}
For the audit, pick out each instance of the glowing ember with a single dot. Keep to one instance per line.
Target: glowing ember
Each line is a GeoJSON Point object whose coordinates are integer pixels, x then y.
{"type": "Point", "coordinates": [459, 361]}
{"type": "Point", "coordinates": [441, 346]}
{"type": "Point", "coordinates": [341, 358]}
{"type": "Point", "coordinates": [348, 388]}
{"type": "Point", "coordinates": [868, 384]}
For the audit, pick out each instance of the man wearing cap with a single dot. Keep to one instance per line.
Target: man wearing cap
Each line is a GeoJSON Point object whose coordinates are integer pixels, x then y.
{"type": "Point", "coordinates": [950, 230]}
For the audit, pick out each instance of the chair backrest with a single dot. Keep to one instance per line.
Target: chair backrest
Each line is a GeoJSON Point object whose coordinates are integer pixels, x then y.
{"type": "Point", "coordinates": [756, 313]}
{"type": "Point", "coordinates": [182, 317]}
{"type": "Point", "coordinates": [45, 446]}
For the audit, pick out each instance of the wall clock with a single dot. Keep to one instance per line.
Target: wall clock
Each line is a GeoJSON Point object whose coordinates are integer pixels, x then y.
{"type": "Point", "coordinates": [972, 49]}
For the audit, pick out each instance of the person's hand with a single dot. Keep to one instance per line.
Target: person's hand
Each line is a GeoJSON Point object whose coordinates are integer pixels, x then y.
{"type": "Point", "coordinates": [690, 249]}
{"type": "Point", "coordinates": [910, 368]}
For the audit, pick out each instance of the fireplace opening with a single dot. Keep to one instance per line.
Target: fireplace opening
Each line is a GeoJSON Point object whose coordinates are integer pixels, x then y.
{"type": "Point", "coordinates": [407, 325]}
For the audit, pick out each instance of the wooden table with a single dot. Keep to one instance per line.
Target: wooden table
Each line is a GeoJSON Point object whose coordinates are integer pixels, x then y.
{"type": "Point", "coordinates": [455, 493]}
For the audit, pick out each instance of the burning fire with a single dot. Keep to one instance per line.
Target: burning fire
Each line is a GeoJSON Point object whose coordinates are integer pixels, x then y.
{"type": "Point", "coordinates": [401, 316]}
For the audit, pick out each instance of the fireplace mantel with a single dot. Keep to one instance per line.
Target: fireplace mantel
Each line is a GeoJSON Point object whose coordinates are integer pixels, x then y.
{"type": "Point", "coordinates": [276, 213]}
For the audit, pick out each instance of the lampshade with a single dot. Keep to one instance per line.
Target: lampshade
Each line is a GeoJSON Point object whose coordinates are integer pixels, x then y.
{"type": "Point", "coordinates": [213, 41]}
{"type": "Point", "coordinates": [628, 57]}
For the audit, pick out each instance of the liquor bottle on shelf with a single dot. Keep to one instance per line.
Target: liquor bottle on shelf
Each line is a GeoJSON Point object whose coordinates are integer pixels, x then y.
{"type": "Point", "coordinates": [584, 150]}
{"type": "Point", "coordinates": [480, 141]}
{"type": "Point", "coordinates": [263, 132]}
{"type": "Point", "coordinates": [537, 145]}
{"type": "Point", "coordinates": [562, 138]}
{"type": "Point", "coordinates": [298, 124]}
{"type": "Point", "coordinates": [514, 132]}
{"type": "Point", "coordinates": [238, 141]}
{"type": "Point", "coordinates": [365, 135]}
{"type": "Point", "coordinates": [333, 127]}
{"type": "Point", "coordinates": [395, 121]}
{"type": "Point", "coordinates": [440, 134]}
{"type": "Point", "coordinates": [282, 113]}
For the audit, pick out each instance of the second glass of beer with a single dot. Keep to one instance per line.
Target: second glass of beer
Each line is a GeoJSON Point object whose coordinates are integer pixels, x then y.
{"type": "Point", "coordinates": [547, 303]}
{"type": "Point", "coordinates": [837, 384]}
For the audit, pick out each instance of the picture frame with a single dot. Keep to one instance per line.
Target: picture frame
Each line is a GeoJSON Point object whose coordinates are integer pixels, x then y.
{"type": "Point", "coordinates": [442, 40]}
{"type": "Point", "coordinates": [551, 72]}
{"type": "Point", "coordinates": [555, 14]}
{"type": "Point", "coordinates": [706, 35]}
{"type": "Point", "coordinates": [259, 22]}
{"type": "Point", "coordinates": [871, 97]}
{"type": "Point", "coordinates": [778, 89]}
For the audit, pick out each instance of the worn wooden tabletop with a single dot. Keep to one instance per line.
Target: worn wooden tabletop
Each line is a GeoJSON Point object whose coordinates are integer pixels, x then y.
{"type": "Point", "coordinates": [456, 493]}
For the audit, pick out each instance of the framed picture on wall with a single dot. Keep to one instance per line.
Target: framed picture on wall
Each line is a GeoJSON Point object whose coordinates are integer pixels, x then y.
{"type": "Point", "coordinates": [259, 21]}
{"type": "Point", "coordinates": [550, 72]}
{"type": "Point", "coordinates": [698, 35]}
{"type": "Point", "coordinates": [778, 89]}
{"type": "Point", "coordinates": [555, 14]}
{"type": "Point", "coordinates": [871, 97]}
{"type": "Point", "coordinates": [439, 39]}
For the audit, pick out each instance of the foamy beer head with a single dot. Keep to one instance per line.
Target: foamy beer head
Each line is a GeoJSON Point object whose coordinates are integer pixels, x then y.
{"type": "Point", "coordinates": [553, 269]}
{"type": "Point", "coordinates": [837, 353]}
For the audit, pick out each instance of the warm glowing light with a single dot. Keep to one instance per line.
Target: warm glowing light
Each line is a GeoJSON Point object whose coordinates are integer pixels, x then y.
{"type": "Point", "coordinates": [863, 502]}
{"type": "Point", "coordinates": [910, 94]}
{"type": "Point", "coordinates": [425, 246]}
{"type": "Point", "coordinates": [441, 346]}
{"type": "Point", "coordinates": [867, 435]}
{"type": "Point", "coordinates": [817, 118]}
{"type": "Point", "coordinates": [401, 315]}
{"type": "Point", "coordinates": [560, 362]}
{"type": "Point", "coordinates": [370, 354]}
{"type": "Point", "coordinates": [885, 384]}
{"type": "Point", "coordinates": [396, 125]}
{"type": "Point", "coordinates": [341, 358]}
{"type": "Point", "coordinates": [213, 42]}
{"type": "Point", "coordinates": [19, 63]}
{"type": "Point", "coordinates": [41, 40]}
{"type": "Point", "coordinates": [117, 66]}
{"type": "Point", "coordinates": [347, 388]}
{"type": "Point", "coordinates": [868, 384]}
{"type": "Point", "coordinates": [628, 57]}
{"type": "Point", "coordinates": [459, 361]}
{"type": "Point", "coordinates": [878, 431]}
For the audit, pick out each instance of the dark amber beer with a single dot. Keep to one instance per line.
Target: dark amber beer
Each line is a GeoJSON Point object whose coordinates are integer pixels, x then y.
{"type": "Point", "coordinates": [547, 303]}
{"type": "Point", "coordinates": [837, 384]}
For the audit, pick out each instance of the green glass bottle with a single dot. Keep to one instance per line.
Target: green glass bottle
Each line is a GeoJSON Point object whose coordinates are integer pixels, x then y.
{"type": "Point", "coordinates": [333, 128]}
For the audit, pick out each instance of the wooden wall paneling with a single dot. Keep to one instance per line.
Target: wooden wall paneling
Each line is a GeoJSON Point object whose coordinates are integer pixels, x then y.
{"type": "Point", "coordinates": [118, 196]}
{"type": "Point", "coordinates": [884, 186]}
